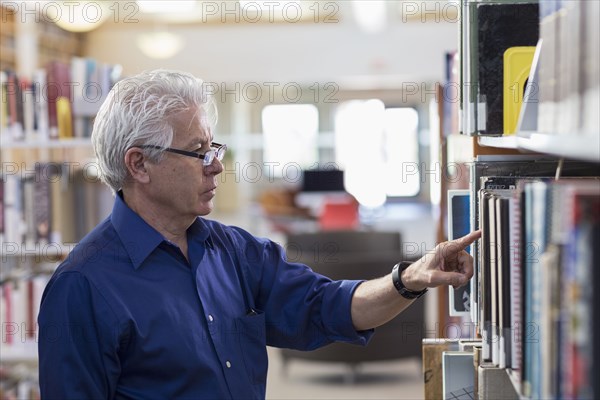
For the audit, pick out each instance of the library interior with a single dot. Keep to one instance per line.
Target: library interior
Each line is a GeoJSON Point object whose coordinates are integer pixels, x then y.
{"type": "Point", "coordinates": [359, 134]}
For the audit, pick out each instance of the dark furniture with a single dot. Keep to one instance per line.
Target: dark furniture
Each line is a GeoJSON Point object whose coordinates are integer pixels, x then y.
{"type": "Point", "coordinates": [359, 255]}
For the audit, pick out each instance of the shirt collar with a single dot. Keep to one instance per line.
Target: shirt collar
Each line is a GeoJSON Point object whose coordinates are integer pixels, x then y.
{"type": "Point", "coordinates": [139, 238]}
{"type": "Point", "coordinates": [199, 229]}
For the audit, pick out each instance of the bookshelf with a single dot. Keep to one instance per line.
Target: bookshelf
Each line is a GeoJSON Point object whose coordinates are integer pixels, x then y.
{"type": "Point", "coordinates": [574, 147]}
{"type": "Point", "coordinates": [535, 193]}
{"type": "Point", "coordinates": [7, 40]}
{"type": "Point", "coordinates": [51, 43]}
{"type": "Point", "coordinates": [580, 148]}
{"type": "Point", "coordinates": [56, 44]}
{"type": "Point", "coordinates": [9, 144]}
{"type": "Point", "coordinates": [500, 142]}
{"type": "Point", "coordinates": [50, 193]}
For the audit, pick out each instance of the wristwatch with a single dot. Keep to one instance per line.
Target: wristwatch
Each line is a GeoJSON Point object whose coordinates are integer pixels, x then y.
{"type": "Point", "coordinates": [396, 278]}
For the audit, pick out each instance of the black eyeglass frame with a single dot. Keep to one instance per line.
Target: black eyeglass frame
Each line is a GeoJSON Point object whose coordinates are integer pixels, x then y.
{"type": "Point", "coordinates": [218, 152]}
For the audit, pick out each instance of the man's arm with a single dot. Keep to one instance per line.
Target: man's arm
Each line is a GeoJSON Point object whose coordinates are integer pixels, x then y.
{"type": "Point", "coordinates": [77, 344]}
{"type": "Point", "coordinates": [377, 301]}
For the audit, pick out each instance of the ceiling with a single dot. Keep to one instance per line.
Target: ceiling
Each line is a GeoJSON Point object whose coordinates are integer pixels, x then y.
{"type": "Point", "coordinates": [357, 44]}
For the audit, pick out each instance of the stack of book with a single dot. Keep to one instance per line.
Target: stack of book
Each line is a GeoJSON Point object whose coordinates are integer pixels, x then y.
{"type": "Point", "coordinates": [569, 72]}
{"type": "Point", "coordinates": [56, 205]}
{"type": "Point", "coordinates": [490, 29]}
{"type": "Point", "coordinates": [21, 298]}
{"type": "Point", "coordinates": [59, 101]}
{"type": "Point", "coordinates": [536, 264]}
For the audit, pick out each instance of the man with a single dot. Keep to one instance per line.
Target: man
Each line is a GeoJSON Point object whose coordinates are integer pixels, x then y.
{"type": "Point", "coordinates": [157, 302]}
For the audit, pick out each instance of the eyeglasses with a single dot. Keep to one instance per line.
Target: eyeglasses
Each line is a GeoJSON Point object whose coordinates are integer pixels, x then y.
{"type": "Point", "coordinates": [207, 158]}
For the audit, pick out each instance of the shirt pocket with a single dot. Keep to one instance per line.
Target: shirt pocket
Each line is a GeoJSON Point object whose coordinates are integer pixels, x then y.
{"type": "Point", "coordinates": [253, 346]}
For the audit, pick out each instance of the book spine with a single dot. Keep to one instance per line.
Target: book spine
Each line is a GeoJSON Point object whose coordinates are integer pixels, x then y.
{"type": "Point", "coordinates": [515, 283]}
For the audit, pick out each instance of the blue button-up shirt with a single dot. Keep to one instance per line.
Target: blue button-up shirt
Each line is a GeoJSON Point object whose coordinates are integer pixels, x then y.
{"type": "Point", "coordinates": [127, 316]}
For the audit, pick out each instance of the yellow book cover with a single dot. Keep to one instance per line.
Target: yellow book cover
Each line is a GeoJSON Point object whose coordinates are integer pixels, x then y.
{"type": "Point", "coordinates": [3, 102]}
{"type": "Point", "coordinates": [517, 64]}
{"type": "Point", "coordinates": [64, 118]}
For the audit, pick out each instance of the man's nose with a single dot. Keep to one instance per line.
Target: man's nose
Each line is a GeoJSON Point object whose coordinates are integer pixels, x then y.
{"type": "Point", "coordinates": [215, 167]}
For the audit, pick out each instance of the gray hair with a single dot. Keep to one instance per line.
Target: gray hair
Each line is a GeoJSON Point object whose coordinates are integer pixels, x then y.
{"type": "Point", "coordinates": [136, 112]}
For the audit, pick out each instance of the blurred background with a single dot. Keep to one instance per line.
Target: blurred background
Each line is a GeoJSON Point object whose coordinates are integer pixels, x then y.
{"type": "Point", "coordinates": [329, 109]}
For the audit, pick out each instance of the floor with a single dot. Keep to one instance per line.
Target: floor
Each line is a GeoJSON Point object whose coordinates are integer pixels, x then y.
{"type": "Point", "coordinates": [310, 380]}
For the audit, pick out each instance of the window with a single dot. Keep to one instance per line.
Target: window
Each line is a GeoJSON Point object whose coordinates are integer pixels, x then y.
{"type": "Point", "coordinates": [290, 137]}
{"type": "Point", "coordinates": [379, 150]}
{"type": "Point", "coordinates": [401, 144]}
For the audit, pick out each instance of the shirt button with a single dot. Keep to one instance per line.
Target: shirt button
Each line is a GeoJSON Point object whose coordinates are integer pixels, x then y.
{"type": "Point", "coordinates": [210, 318]}
{"type": "Point", "coordinates": [228, 364]}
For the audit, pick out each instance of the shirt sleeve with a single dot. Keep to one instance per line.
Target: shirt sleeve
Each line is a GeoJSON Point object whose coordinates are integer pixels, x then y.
{"type": "Point", "coordinates": [304, 310]}
{"type": "Point", "coordinates": [77, 341]}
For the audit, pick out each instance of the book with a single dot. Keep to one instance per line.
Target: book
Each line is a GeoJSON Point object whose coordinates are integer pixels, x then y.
{"type": "Point", "coordinates": [504, 269]}
{"type": "Point", "coordinates": [14, 97]}
{"type": "Point", "coordinates": [64, 118]}
{"type": "Point", "coordinates": [590, 68]}
{"type": "Point", "coordinates": [451, 95]}
{"type": "Point", "coordinates": [58, 86]}
{"type": "Point", "coordinates": [487, 30]}
{"type": "Point", "coordinates": [484, 273]}
{"type": "Point", "coordinates": [62, 201]}
{"type": "Point", "coordinates": [495, 262]}
{"type": "Point", "coordinates": [549, 320]}
{"type": "Point", "coordinates": [42, 202]}
{"type": "Point", "coordinates": [458, 372]}
{"type": "Point", "coordinates": [433, 350]}
{"type": "Point", "coordinates": [41, 105]}
{"type": "Point", "coordinates": [581, 201]}
{"type": "Point", "coordinates": [517, 66]}
{"type": "Point", "coordinates": [3, 105]}
{"type": "Point", "coordinates": [459, 225]}
{"type": "Point", "coordinates": [569, 72]}
{"type": "Point", "coordinates": [549, 59]}
{"type": "Point", "coordinates": [501, 26]}
{"type": "Point", "coordinates": [492, 269]}
{"type": "Point", "coordinates": [516, 289]}
{"type": "Point", "coordinates": [535, 208]}
{"type": "Point", "coordinates": [1, 210]}
{"type": "Point", "coordinates": [28, 95]}
{"type": "Point", "coordinates": [558, 286]}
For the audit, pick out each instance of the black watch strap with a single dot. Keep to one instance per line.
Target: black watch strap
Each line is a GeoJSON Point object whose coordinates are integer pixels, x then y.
{"type": "Point", "coordinates": [396, 278]}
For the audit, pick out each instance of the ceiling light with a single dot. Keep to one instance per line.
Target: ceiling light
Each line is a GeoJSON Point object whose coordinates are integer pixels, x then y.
{"type": "Point", "coordinates": [163, 7]}
{"type": "Point", "coordinates": [80, 16]}
{"type": "Point", "coordinates": [370, 15]}
{"type": "Point", "coordinates": [160, 44]}
{"type": "Point", "coordinates": [267, 5]}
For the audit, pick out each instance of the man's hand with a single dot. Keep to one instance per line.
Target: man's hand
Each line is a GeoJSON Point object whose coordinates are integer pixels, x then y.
{"type": "Point", "coordinates": [377, 301]}
{"type": "Point", "coordinates": [447, 264]}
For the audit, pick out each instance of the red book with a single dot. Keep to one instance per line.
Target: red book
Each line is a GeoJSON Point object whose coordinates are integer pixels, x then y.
{"type": "Point", "coordinates": [58, 85]}
{"type": "Point", "coordinates": [339, 215]}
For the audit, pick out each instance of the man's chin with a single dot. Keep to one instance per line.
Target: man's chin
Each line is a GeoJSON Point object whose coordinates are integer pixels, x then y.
{"type": "Point", "coordinates": [206, 209]}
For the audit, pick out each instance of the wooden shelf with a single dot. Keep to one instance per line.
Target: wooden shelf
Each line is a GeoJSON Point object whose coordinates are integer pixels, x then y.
{"type": "Point", "coordinates": [46, 144]}
{"type": "Point", "coordinates": [21, 353]}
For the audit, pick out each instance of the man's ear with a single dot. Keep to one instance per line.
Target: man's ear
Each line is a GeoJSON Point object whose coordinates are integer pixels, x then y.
{"type": "Point", "coordinates": [135, 161]}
